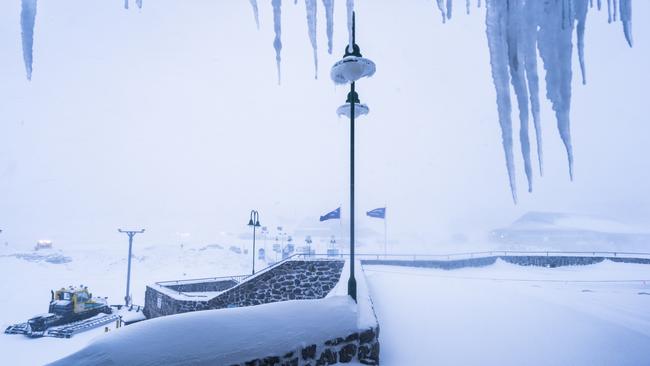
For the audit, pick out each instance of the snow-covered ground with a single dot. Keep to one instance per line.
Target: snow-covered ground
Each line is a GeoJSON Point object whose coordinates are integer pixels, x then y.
{"type": "Point", "coordinates": [511, 315]}
{"type": "Point", "coordinates": [228, 336]}
{"type": "Point", "coordinates": [502, 314]}
{"type": "Point", "coordinates": [27, 281]}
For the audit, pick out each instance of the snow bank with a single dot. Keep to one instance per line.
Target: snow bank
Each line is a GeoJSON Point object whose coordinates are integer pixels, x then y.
{"type": "Point", "coordinates": [366, 314]}
{"type": "Point", "coordinates": [221, 337]}
{"type": "Point", "coordinates": [235, 335]}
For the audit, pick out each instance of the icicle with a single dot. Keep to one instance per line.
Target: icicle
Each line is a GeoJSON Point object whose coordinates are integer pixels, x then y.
{"type": "Point", "coordinates": [449, 6]}
{"type": "Point", "coordinates": [138, 3]}
{"type": "Point", "coordinates": [441, 7]}
{"type": "Point", "coordinates": [591, 3]}
{"type": "Point", "coordinates": [277, 25]}
{"type": "Point", "coordinates": [27, 22]}
{"type": "Point", "coordinates": [514, 20]}
{"type": "Point", "coordinates": [496, 35]}
{"type": "Point", "coordinates": [555, 48]}
{"type": "Point", "coordinates": [478, 4]}
{"type": "Point", "coordinates": [126, 4]}
{"type": "Point", "coordinates": [599, 5]}
{"type": "Point", "coordinates": [310, 6]}
{"type": "Point", "coordinates": [609, 11]}
{"type": "Point", "coordinates": [626, 19]}
{"type": "Point", "coordinates": [529, 51]}
{"type": "Point", "coordinates": [350, 10]}
{"type": "Point", "coordinates": [468, 5]}
{"type": "Point", "coordinates": [256, 13]}
{"type": "Point", "coordinates": [329, 18]}
{"type": "Point", "coordinates": [581, 16]}
{"type": "Point", "coordinates": [615, 9]}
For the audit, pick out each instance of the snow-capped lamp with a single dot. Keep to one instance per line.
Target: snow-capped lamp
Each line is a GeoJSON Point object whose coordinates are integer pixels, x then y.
{"type": "Point", "coordinates": [347, 71]}
{"type": "Point", "coordinates": [352, 67]}
{"type": "Point", "coordinates": [346, 109]}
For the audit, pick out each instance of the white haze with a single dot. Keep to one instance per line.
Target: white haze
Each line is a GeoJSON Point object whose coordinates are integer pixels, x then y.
{"type": "Point", "coordinates": [170, 118]}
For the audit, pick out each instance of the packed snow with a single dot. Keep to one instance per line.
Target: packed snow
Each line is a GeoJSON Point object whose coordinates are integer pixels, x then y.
{"type": "Point", "coordinates": [506, 314]}
{"type": "Point", "coordinates": [30, 277]}
{"type": "Point", "coordinates": [223, 337]}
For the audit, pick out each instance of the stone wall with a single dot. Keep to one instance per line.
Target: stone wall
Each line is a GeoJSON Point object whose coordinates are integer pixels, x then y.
{"type": "Point", "coordinates": [291, 280]}
{"type": "Point", "coordinates": [361, 347]}
{"type": "Point", "coordinates": [207, 286]}
{"type": "Point", "coordinates": [542, 261]}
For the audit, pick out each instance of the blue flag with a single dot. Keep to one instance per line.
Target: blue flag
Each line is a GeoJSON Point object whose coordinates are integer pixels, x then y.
{"type": "Point", "coordinates": [336, 214]}
{"type": "Point", "coordinates": [379, 213]}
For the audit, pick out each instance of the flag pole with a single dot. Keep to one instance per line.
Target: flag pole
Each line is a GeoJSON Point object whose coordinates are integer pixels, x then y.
{"type": "Point", "coordinates": [385, 235]}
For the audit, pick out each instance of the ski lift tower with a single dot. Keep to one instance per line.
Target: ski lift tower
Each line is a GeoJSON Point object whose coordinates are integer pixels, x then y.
{"type": "Point", "coordinates": [351, 68]}
{"type": "Point", "coordinates": [131, 234]}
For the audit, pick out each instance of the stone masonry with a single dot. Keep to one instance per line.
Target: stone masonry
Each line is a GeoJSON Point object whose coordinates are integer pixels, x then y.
{"type": "Point", "coordinates": [361, 347]}
{"type": "Point", "coordinates": [292, 280]}
{"type": "Point", "coordinates": [542, 261]}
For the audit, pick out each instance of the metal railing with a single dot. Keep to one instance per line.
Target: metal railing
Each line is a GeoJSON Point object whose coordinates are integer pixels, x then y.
{"type": "Point", "coordinates": [493, 253]}
{"type": "Point", "coordinates": [238, 279]}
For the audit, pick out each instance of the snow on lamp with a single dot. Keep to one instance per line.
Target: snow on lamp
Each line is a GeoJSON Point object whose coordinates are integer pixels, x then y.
{"type": "Point", "coordinates": [346, 109]}
{"type": "Point", "coordinates": [352, 67]}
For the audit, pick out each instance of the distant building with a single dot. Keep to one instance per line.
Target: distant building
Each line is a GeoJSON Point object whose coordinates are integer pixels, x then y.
{"type": "Point", "coordinates": [561, 231]}
{"type": "Point", "coordinates": [43, 244]}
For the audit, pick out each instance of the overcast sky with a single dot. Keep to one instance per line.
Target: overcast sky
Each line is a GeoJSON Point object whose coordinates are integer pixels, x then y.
{"type": "Point", "coordinates": [170, 118]}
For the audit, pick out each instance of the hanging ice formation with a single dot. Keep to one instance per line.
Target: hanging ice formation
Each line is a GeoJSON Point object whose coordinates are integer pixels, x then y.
{"type": "Point", "coordinates": [310, 6]}
{"type": "Point", "coordinates": [349, 4]}
{"type": "Point", "coordinates": [138, 3]}
{"type": "Point", "coordinates": [517, 30]}
{"type": "Point", "coordinates": [329, 18]}
{"type": "Point", "coordinates": [277, 25]}
{"type": "Point", "coordinates": [27, 21]}
{"type": "Point", "coordinates": [256, 13]}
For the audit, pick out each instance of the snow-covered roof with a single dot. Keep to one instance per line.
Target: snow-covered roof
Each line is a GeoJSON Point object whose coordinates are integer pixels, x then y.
{"type": "Point", "coordinates": [553, 221]}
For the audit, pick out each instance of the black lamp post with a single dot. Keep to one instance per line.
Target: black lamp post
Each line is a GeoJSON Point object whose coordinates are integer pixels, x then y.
{"type": "Point", "coordinates": [254, 221]}
{"type": "Point", "coordinates": [351, 68]}
{"type": "Point", "coordinates": [131, 234]}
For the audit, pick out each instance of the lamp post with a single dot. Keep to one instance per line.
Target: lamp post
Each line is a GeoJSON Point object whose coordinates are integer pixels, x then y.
{"type": "Point", "coordinates": [131, 234]}
{"type": "Point", "coordinates": [351, 68]}
{"type": "Point", "coordinates": [254, 221]}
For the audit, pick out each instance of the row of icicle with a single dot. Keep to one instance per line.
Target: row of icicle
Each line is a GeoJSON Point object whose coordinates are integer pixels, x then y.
{"type": "Point", "coordinates": [517, 31]}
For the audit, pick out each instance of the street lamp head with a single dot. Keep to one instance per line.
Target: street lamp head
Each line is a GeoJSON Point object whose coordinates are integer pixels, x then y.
{"type": "Point", "coordinates": [352, 68]}
{"type": "Point", "coordinates": [346, 110]}
{"type": "Point", "coordinates": [250, 222]}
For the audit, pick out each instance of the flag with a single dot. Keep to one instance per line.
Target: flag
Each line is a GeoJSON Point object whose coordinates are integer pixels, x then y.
{"type": "Point", "coordinates": [336, 214]}
{"type": "Point", "coordinates": [379, 213]}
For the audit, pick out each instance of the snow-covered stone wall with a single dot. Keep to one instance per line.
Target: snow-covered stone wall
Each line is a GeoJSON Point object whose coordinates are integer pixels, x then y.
{"type": "Point", "coordinates": [292, 280]}
{"type": "Point", "coordinates": [360, 347]}
{"type": "Point", "coordinates": [542, 261]}
{"type": "Point", "coordinates": [209, 286]}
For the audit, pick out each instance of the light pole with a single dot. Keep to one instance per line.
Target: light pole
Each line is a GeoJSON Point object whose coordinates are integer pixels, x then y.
{"type": "Point", "coordinates": [131, 234]}
{"type": "Point", "coordinates": [254, 221]}
{"type": "Point", "coordinates": [351, 68]}
{"type": "Point", "coordinates": [308, 241]}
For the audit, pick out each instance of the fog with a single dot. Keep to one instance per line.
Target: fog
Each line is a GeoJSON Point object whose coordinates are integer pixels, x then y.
{"type": "Point", "coordinates": [171, 119]}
